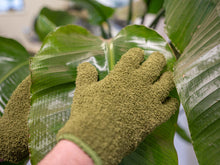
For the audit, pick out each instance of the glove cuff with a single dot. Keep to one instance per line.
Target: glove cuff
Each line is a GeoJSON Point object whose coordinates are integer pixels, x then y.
{"type": "Point", "coordinates": [91, 153]}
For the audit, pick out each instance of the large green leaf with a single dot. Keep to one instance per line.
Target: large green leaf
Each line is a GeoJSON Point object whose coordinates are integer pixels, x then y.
{"type": "Point", "coordinates": [184, 17]}
{"type": "Point", "coordinates": [98, 13]}
{"type": "Point", "coordinates": [14, 62]}
{"type": "Point", "coordinates": [197, 78]}
{"type": "Point", "coordinates": [49, 19]}
{"type": "Point", "coordinates": [53, 82]}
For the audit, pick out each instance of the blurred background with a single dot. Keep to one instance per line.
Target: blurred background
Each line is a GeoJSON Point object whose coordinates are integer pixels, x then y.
{"type": "Point", "coordinates": [17, 21]}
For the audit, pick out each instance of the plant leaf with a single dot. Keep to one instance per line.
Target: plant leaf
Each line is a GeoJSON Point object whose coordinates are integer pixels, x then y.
{"type": "Point", "coordinates": [49, 19]}
{"type": "Point", "coordinates": [14, 62]}
{"type": "Point", "coordinates": [98, 13]}
{"type": "Point", "coordinates": [43, 26]}
{"type": "Point", "coordinates": [58, 17]}
{"type": "Point", "coordinates": [154, 6]}
{"type": "Point", "coordinates": [182, 133]}
{"type": "Point", "coordinates": [197, 78]}
{"type": "Point", "coordinates": [54, 73]}
{"type": "Point", "coordinates": [183, 18]}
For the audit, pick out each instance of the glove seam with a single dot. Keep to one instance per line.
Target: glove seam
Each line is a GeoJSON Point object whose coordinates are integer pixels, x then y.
{"type": "Point", "coordinates": [90, 152]}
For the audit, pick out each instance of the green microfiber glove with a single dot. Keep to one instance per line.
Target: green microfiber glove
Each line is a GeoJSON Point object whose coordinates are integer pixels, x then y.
{"type": "Point", "coordinates": [13, 124]}
{"type": "Point", "coordinates": [109, 118]}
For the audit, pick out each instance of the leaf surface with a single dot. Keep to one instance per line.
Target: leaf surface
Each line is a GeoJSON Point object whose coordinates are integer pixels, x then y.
{"type": "Point", "coordinates": [14, 62]}
{"type": "Point", "coordinates": [53, 81]}
{"type": "Point", "coordinates": [49, 19]}
{"type": "Point", "coordinates": [43, 26]}
{"type": "Point", "coordinates": [183, 18]}
{"type": "Point", "coordinates": [58, 17]}
{"type": "Point", "coordinates": [197, 78]}
{"type": "Point", "coordinates": [183, 134]}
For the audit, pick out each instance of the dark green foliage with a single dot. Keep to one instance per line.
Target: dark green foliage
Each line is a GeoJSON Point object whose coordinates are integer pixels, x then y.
{"type": "Point", "coordinates": [49, 19]}
{"type": "Point", "coordinates": [14, 67]}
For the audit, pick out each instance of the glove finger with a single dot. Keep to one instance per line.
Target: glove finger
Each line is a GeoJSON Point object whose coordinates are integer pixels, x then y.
{"type": "Point", "coordinates": [86, 74]}
{"type": "Point", "coordinates": [13, 125]}
{"type": "Point", "coordinates": [163, 86]}
{"type": "Point", "coordinates": [150, 70]}
{"type": "Point", "coordinates": [168, 109]}
{"type": "Point", "coordinates": [130, 60]}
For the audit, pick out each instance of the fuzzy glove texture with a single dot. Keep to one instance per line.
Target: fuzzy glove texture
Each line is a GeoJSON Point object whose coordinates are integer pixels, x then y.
{"type": "Point", "coordinates": [13, 124]}
{"type": "Point", "coordinates": [109, 118]}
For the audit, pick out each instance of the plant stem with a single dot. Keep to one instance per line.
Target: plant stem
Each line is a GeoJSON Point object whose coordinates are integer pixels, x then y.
{"type": "Point", "coordinates": [104, 35]}
{"type": "Point", "coordinates": [109, 29]}
{"type": "Point", "coordinates": [156, 20]}
{"type": "Point", "coordinates": [129, 12]}
{"type": "Point", "coordinates": [176, 52]}
{"type": "Point", "coordinates": [145, 12]}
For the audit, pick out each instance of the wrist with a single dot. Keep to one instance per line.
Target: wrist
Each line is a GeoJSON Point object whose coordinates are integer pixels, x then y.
{"type": "Point", "coordinates": [82, 146]}
{"type": "Point", "coordinates": [66, 152]}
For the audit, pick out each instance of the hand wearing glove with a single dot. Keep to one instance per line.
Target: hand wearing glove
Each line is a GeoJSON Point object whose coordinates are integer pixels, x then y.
{"type": "Point", "coordinates": [109, 118]}
{"type": "Point", "coordinates": [13, 124]}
